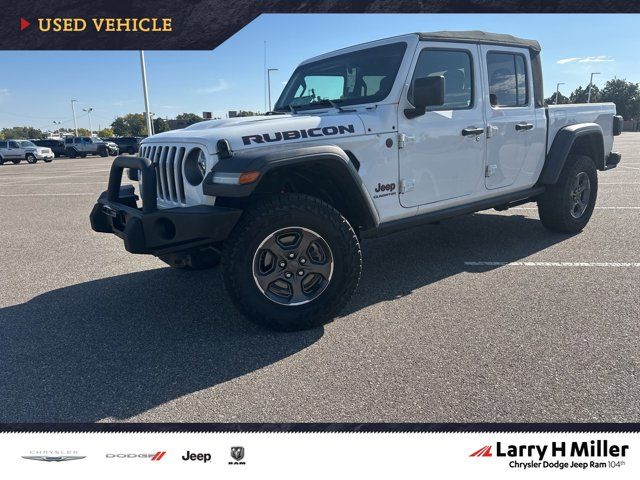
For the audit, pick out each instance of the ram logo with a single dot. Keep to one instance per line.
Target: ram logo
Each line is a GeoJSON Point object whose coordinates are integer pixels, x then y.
{"type": "Point", "coordinates": [296, 134]}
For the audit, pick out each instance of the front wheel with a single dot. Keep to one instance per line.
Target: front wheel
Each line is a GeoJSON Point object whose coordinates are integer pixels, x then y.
{"type": "Point", "coordinates": [16, 161]}
{"type": "Point", "coordinates": [103, 152]}
{"type": "Point", "coordinates": [567, 206]}
{"type": "Point", "coordinates": [31, 158]}
{"type": "Point", "coordinates": [291, 263]}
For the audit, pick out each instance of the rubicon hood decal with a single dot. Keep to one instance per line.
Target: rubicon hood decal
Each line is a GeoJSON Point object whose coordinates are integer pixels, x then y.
{"type": "Point", "coordinates": [259, 132]}
{"type": "Point", "coordinates": [296, 134]}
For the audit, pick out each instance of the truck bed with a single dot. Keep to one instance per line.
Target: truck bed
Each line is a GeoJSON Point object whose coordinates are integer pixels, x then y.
{"type": "Point", "coordinates": [559, 116]}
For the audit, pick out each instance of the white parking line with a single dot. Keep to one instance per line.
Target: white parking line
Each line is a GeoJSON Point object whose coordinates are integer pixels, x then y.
{"type": "Point", "coordinates": [48, 194]}
{"type": "Point", "coordinates": [51, 184]}
{"type": "Point", "coordinates": [553, 264]}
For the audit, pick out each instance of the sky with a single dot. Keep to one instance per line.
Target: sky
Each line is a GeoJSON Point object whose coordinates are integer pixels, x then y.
{"type": "Point", "coordinates": [36, 88]}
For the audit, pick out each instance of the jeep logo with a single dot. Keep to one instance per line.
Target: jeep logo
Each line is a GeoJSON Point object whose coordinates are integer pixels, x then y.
{"type": "Point", "coordinates": [387, 187]}
{"type": "Point", "coordinates": [296, 134]}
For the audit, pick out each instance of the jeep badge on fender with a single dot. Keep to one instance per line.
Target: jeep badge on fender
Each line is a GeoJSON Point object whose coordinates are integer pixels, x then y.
{"type": "Point", "coordinates": [283, 200]}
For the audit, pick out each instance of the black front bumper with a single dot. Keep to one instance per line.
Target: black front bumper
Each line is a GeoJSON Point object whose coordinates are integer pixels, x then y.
{"type": "Point", "coordinates": [152, 230]}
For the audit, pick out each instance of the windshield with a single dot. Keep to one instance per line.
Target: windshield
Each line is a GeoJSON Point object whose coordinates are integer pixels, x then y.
{"type": "Point", "coordinates": [363, 76]}
{"type": "Point", "coordinates": [26, 143]}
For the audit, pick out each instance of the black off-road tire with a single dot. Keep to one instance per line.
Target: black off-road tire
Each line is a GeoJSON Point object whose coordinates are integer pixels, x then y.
{"type": "Point", "coordinates": [103, 152]}
{"type": "Point", "coordinates": [1, 161]}
{"type": "Point", "coordinates": [16, 161]}
{"type": "Point", "coordinates": [274, 214]}
{"type": "Point", "coordinates": [31, 158]}
{"type": "Point", "coordinates": [130, 150]}
{"type": "Point", "coordinates": [72, 153]}
{"type": "Point", "coordinates": [48, 160]}
{"type": "Point", "coordinates": [201, 259]}
{"type": "Point", "coordinates": [556, 204]}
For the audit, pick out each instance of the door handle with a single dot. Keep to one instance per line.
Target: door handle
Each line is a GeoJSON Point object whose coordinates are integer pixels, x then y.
{"type": "Point", "coordinates": [472, 131]}
{"type": "Point", "coordinates": [524, 126]}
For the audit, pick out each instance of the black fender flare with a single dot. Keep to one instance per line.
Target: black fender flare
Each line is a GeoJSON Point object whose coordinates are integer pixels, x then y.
{"type": "Point", "coordinates": [258, 160]}
{"type": "Point", "coordinates": [589, 133]}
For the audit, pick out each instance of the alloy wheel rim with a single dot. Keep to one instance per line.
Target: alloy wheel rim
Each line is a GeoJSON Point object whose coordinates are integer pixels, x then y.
{"type": "Point", "coordinates": [293, 266]}
{"type": "Point", "coordinates": [580, 194]}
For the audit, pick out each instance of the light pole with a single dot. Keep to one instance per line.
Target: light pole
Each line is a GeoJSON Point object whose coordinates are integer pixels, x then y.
{"type": "Point", "coordinates": [269, 70]}
{"type": "Point", "coordinates": [88, 110]}
{"type": "Point", "coordinates": [555, 102]}
{"type": "Point", "coordinates": [143, 69]}
{"type": "Point", "coordinates": [75, 122]}
{"type": "Point", "coordinates": [591, 85]}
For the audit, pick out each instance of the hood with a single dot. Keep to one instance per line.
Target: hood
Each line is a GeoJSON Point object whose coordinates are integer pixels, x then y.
{"type": "Point", "coordinates": [266, 130]}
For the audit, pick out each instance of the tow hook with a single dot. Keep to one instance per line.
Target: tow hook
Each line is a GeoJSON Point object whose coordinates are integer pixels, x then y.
{"type": "Point", "coordinates": [107, 210]}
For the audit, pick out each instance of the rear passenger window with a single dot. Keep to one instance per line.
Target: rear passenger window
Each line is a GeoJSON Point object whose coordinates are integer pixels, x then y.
{"type": "Point", "coordinates": [455, 67]}
{"type": "Point", "coordinates": [507, 80]}
{"type": "Point", "coordinates": [3, 144]}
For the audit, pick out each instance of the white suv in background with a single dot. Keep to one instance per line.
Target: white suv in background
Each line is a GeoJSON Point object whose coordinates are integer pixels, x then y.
{"type": "Point", "coordinates": [18, 150]}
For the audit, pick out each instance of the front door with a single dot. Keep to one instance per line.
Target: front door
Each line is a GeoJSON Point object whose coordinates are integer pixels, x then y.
{"type": "Point", "coordinates": [15, 150]}
{"type": "Point", "coordinates": [444, 149]}
{"type": "Point", "coordinates": [510, 113]}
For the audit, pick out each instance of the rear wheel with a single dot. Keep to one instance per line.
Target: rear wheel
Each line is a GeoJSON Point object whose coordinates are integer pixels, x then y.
{"type": "Point", "coordinates": [31, 158]}
{"type": "Point", "coordinates": [72, 153]}
{"type": "Point", "coordinates": [16, 161]}
{"type": "Point", "coordinates": [1, 161]}
{"type": "Point", "coordinates": [567, 206]}
{"type": "Point", "coordinates": [83, 155]}
{"type": "Point", "coordinates": [291, 263]}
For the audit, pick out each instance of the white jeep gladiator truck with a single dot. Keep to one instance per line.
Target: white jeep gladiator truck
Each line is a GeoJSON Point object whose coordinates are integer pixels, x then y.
{"type": "Point", "coordinates": [363, 141]}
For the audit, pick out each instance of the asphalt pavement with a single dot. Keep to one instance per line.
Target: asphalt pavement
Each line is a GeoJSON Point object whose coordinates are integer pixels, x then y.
{"type": "Point", "coordinates": [487, 317]}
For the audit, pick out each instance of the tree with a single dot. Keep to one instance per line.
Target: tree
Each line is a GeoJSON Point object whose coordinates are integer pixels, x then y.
{"type": "Point", "coordinates": [625, 95]}
{"type": "Point", "coordinates": [105, 133]}
{"type": "Point", "coordinates": [580, 95]}
{"type": "Point", "coordinates": [160, 125]}
{"type": "Point", "coordinates": [247, 113]}
{"type": "Point", "coordinates": [190, 118]}
{"type": "Point", "coordinates": [21, 133]}
{"type": "Point", "coordinates": [131, 125]}
{"type": "Point", "coordinates": [84, 132]}
{"type": "Point", "coordinates": [552, 99]}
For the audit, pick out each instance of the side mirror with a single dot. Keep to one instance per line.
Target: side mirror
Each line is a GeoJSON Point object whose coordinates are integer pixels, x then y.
{"type": "Point", "coordinates": [427, 92]}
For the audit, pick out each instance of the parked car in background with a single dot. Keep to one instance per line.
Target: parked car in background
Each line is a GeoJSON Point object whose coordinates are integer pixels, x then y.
{"type": "Point", "coordinates": [56, 146]}
{"type": "Point", "coordinates": [18, 150]}
{"type": "Point", "coordinates": [130, 145]}
{"type": "Point", "coordinates": [83, 146]}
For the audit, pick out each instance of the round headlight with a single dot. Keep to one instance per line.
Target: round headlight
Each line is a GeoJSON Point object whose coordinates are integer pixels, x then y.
{"type": "Point", "coordinates": [195, 166]}
{"type": "Point", "coordinates": [202, 163]}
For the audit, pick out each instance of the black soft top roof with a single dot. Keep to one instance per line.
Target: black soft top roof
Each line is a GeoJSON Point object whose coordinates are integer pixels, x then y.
{"type": "Point", "coordinates": [477, 36]}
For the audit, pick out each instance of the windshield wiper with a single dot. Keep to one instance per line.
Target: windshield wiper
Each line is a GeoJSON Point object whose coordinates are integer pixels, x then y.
{"type": "Point", "coordinates": [319, 103]}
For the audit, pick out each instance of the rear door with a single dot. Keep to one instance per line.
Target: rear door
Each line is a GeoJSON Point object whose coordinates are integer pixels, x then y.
{"type": "Point", "coordinates": [510, 113]}
{"type": "Point", "coordinates": [443, 156]}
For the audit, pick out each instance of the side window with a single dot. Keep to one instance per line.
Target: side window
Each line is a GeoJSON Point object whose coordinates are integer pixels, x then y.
{"type": "Point", "coordinates": [86, 140]}
{"type": "Point", "coordinates": [14, 145]}
{"type": "Point", "coordinates": [455, 67]}
{"type": "Point", "coordinates": [68, 140]}
{"type": "Point", "coordinates": [3, 144]}
{"type": "Point", "coordinates": [507, 80]}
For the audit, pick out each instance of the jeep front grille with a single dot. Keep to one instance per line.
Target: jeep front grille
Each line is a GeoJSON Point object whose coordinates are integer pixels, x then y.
{"type": "Point", "coordinates": [168, 160]}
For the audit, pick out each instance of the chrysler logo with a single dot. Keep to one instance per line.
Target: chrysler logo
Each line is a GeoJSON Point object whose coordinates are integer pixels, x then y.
{"type": "Point", "coordinates": [52, 458]}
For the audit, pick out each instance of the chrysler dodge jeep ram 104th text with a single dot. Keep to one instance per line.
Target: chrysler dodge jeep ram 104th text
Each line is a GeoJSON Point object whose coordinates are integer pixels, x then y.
{"type": "Point", "coordinates": [363, 141]}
